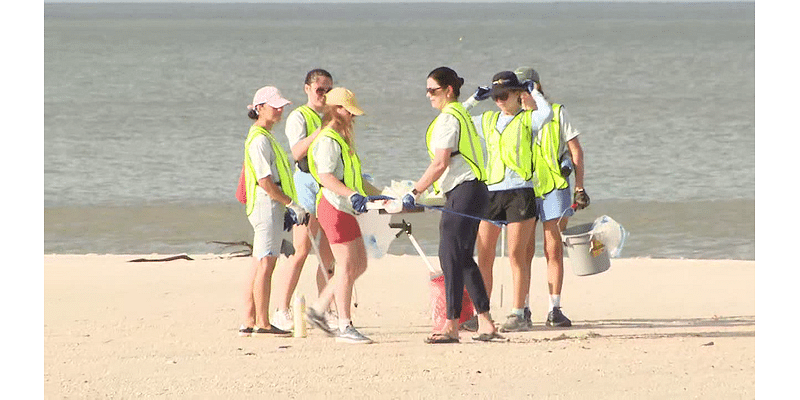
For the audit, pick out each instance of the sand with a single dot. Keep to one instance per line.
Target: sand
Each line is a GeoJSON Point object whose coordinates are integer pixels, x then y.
{"type": "Point", "coordinates": [656, 329]}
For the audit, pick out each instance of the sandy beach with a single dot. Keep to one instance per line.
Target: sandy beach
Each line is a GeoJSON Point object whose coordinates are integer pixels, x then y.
{"type": "Point", "coordinates": [646, 328]}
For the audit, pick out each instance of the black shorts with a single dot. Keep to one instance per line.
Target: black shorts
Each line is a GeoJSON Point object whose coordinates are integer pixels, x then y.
{"type": "Point", "coordinates": [513, 205]}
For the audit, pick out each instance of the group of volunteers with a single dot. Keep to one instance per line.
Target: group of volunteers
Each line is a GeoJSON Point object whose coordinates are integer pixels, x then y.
{"type": "Point", "coordinates": [506, 167]}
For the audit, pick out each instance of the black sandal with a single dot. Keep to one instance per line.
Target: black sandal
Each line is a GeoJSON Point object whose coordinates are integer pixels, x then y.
{"type": "Point", "coordinates": [440, 338]}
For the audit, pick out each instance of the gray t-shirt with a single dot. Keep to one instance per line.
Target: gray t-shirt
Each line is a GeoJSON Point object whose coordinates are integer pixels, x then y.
{"type": "Point", "coordinates": [263, 159]}
{"type": "Point", "coordinates": [296, 127]}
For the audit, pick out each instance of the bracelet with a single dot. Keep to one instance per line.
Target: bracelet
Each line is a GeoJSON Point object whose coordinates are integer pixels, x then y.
{"type": "Point", "coordinates": [414, 191]}
{"type": "Point", "coordinates": [579, 190]}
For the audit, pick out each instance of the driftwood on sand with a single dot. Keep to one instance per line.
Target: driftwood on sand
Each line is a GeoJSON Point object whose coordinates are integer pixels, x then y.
{"type": "Point", "coordinates": [240, 253]}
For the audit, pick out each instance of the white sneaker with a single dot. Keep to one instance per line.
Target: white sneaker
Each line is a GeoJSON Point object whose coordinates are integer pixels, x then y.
{"type": "Point", "coordinates": [283, 320]}
{"type": "Point", "coordinates": [352, 336]}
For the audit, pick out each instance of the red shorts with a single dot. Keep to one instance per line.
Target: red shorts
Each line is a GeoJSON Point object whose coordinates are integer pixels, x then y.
{"type": "Point", "coordinates": [339, 227]}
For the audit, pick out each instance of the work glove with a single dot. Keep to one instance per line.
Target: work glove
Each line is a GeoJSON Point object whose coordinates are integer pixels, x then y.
{"type": "Point", "coordinates": [288, 220]}
{"type": "Point", "coordinates": [566, 167]}
{"type": "Point", "coordinates": [409, 201]}
{"type": "Point", "coordinates": [482, 93]}
{"type": "Point", "coordinates": [581, 199]}
{"type": "Point", "coordinates": [530, 85]}
{"type": "Point", "coordinates": [299, 214]}
{"type": "Point", "coordinates": [359, 202]}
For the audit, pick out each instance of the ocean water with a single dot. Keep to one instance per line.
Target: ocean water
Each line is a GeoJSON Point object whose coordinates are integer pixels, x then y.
{"type": "Point", "coordinates": [145, 118]}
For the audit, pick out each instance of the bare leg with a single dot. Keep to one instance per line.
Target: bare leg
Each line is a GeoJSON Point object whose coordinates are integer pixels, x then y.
{"type": "Point", "coordinates": [519, 235]}
{"type": "Point", "coordinates": [554, 253]}
{"type": "Point", "coordinates": [353, 262]}
{"type": "Point", "coordinates": [257, 298]}
{"type": "Point", "coordinates": [289, 274]}
{"type": "Point", "coordinates": [487, 245]}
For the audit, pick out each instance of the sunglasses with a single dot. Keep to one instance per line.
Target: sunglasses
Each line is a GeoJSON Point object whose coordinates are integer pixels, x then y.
{"type": "Point", "coordinates": [321, 90]}
{"type": "Point", "coordinates": [501, 96]}
{"type": "Point", "coordinates": [432, 91]}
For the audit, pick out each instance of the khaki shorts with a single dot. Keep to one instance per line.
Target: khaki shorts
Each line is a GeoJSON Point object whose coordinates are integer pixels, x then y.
{"type": "Point", "coordinates": [267, 222]}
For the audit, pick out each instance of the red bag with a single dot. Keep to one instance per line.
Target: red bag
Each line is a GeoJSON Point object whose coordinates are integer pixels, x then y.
{"type": "Point", "coordinates": [241, 190]}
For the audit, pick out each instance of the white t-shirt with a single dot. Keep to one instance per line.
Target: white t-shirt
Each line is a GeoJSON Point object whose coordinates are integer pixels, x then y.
{"type": "Point", "coordinates": [445, 135]}
{"type": "Point", "coordinates": [568, 132]}
{"type": "Point", "coordinates": [263, 159]}
{"type": "Point", "coordinates": [328, 160]}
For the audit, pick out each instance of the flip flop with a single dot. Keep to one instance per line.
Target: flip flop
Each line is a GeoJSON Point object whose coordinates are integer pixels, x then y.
{"type": "Point", "coordinates": [490, 337]}
{"type": "Point", "coordinates": [438, 338]}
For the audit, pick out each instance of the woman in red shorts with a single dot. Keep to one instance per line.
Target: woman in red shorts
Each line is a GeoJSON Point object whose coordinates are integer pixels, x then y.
{"type": "Point", "coordinates": [336, 167]}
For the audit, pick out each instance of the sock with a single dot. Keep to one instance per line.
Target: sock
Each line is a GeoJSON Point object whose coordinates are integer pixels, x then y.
{"type": "Point", "coordinates": [527, 301]}
{"type": "Point", "coordinates": [555, 301]}
{"type": "Point", "coordinates": [518, 311]}
{"type": "Point", "coordinates": [343, 324]}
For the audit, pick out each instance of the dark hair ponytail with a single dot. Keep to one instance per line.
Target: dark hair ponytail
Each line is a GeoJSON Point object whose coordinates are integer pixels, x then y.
{"type": "Point", "coordinates": [445, 76]}
{"type": "Point", "coordinates": [252, 114]}
{"type": "Point", "coordinates": [312, 75]}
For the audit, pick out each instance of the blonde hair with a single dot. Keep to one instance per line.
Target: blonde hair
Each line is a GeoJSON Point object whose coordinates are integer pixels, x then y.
{"type": "Point", "coordinates": [331, 118]}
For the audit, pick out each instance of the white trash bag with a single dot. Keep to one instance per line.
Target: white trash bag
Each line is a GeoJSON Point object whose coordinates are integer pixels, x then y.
{"type": "Point", "coordinates": [610, 233]}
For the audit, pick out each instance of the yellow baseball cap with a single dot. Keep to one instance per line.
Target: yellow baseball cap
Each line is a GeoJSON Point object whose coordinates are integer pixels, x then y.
{"type": "Point", "coordinates": [342, 97]}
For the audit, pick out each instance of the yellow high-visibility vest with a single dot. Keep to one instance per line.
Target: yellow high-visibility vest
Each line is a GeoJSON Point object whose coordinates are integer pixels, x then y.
{"type": "Point", "coordinates": [469, 143]}
{"type": "Point", "coordinates": [547, 167]}
{"type": "Point", "coordinates": [352, 164]}
{"type": "Point", "coordinates": [281, 161]}
{"type": "Point", "coordinates": [511, 148]}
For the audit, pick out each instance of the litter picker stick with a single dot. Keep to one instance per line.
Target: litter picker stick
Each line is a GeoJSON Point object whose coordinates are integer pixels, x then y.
{"type": "Point", "coordinates": [406, 228]}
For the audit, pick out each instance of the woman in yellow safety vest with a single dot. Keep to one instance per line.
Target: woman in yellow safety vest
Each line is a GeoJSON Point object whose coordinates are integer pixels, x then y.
{"type": "Point", "coordinates": [457, 170]}
{"type": "Point", "coordinates": [558, 153]}
{"type": "Point", "coordinates": [508, 134]}
{"type": "Point", "coordinates": [302, 127]}
{"type": "Point", "coordinates": [270, 198]}
{"type": "Point", "coordinates": [334, 163]}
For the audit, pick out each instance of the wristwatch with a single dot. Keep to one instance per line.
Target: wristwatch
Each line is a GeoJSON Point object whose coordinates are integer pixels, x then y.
{"type": "Point", "coordinates": [414, 191]}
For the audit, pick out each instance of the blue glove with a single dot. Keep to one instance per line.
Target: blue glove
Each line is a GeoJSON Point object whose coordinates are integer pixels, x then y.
{"type": "Point", "coordinates": [482, 93]}
{"type": "Point", "coordinates": [299, 214]}
{"type": "Point", "coordinates": [409, 201]}
{"type": "Point", "coordinates": [288, 220]}
{"type": "Point", "coordinates": [530, 85]}
{"type": "Point", "coordinates": [359, 202]}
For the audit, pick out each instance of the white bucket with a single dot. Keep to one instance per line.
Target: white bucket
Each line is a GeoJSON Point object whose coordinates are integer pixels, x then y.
{"type": "Point", "coordinates": [587, 255]}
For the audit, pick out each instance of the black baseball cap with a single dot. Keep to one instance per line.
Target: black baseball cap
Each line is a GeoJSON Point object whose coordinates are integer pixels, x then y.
{"type": "Point", "coordinates": [506, 81]}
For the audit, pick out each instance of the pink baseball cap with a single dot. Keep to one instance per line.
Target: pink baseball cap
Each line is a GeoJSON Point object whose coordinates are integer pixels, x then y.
{"type": "Point", "coordinates": [269, 95]}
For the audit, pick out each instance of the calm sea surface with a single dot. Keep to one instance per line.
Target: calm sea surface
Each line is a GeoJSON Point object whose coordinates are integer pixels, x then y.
{"type": "Point", "coordinates": [145, 118]}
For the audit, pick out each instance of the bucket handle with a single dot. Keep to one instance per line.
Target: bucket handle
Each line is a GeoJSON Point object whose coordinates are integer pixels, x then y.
{"type": "Point", "coordinates": [574, 207]}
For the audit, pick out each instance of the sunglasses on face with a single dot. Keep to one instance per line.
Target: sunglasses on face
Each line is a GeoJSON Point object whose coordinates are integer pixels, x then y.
{"type": "Point", "coordinates": [322, 90]}
{"type": "Point", "coordinates": [432, 91]}
{"type": "Point", "coordinates": [500, 97]}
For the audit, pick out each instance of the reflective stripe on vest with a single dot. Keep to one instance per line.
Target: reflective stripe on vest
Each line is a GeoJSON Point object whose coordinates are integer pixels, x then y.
{"type": "Point", "coordinates": [312, 123]}
{"type": "Point", "coordinates": [352, 164]}
{"type": "Point", "coordinates": [510, 149]}
{"type": "Point", "coordinates": [469, 144]}
{"type": "Point", "coordinates": [281, 162]}
{"type": "Point", "coordinates": [547, 171]}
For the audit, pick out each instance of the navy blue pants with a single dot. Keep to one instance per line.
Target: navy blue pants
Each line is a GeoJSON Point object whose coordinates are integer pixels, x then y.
{"type": "Point", "coordinates": [457, 236]}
